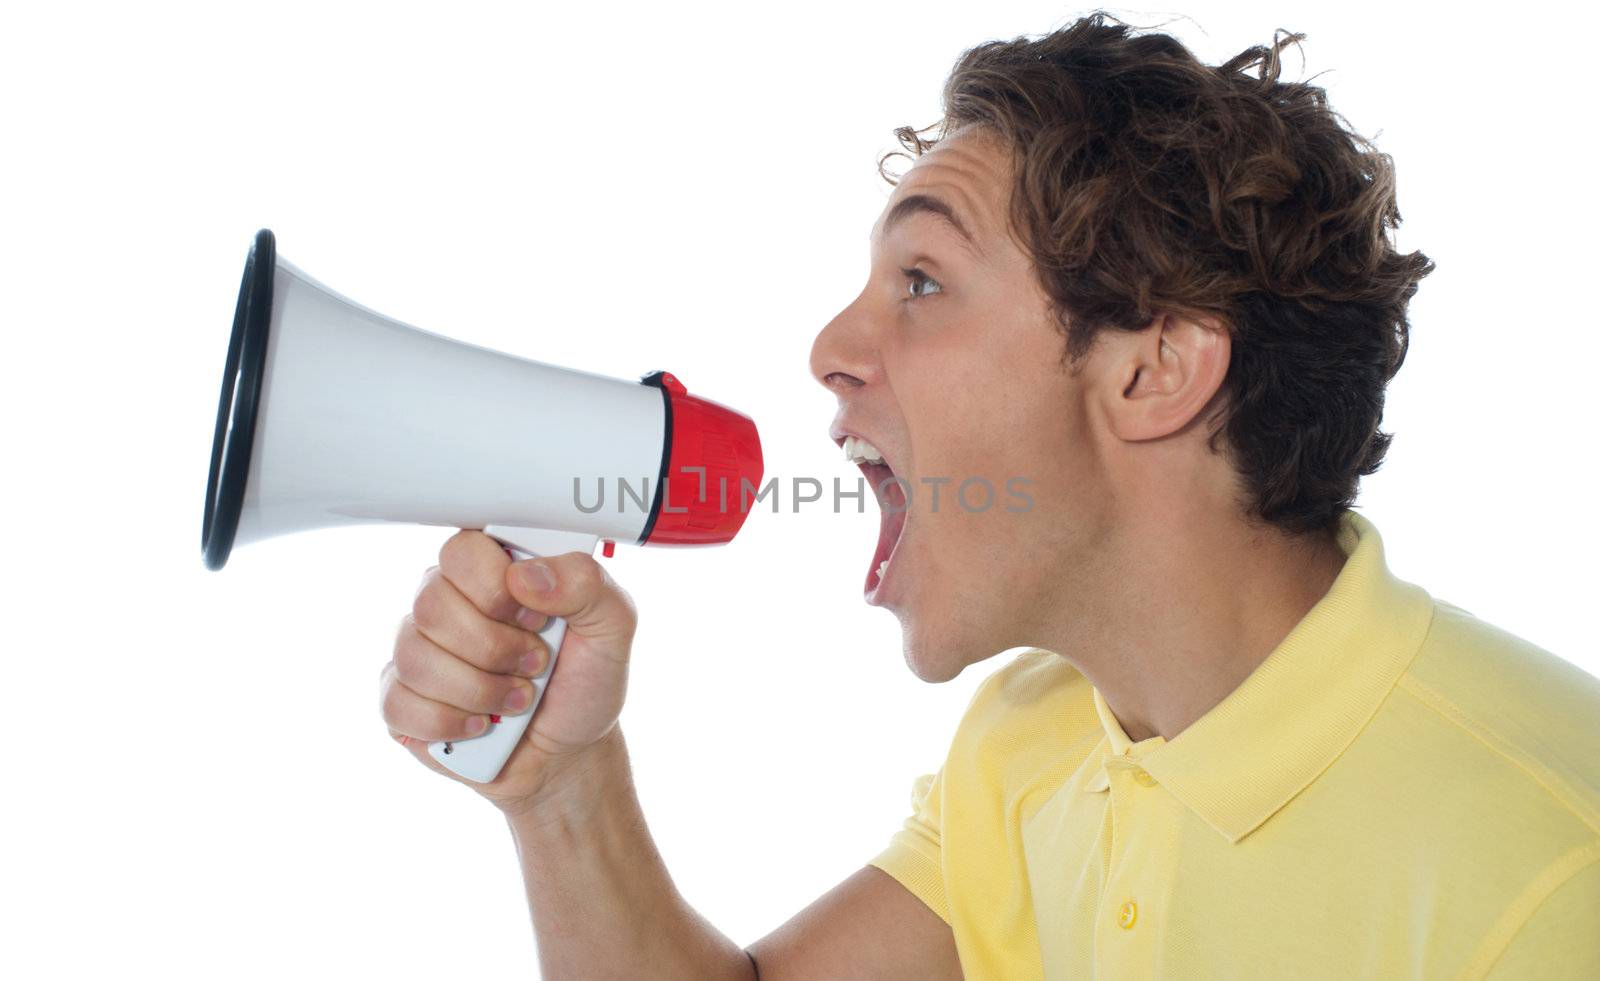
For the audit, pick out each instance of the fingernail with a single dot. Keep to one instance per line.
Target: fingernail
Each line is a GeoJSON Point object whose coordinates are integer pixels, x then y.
{"type": "Point", "coordinates": [518, 700]}
{"type": "Point", "coordinates": [476, 725]}
{"type": "Point", "coordinates": [531, 662]}
{"type": "Point", "coordinates": [536, 576]}
{"type": "Point", "coordinates": [529, 619]}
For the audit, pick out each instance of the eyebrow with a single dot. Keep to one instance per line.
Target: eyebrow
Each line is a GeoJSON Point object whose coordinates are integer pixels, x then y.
{"type": "Point", "coordinates": [927, 204]}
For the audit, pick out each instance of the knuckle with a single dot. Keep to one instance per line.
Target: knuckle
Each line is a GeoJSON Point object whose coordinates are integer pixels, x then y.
{"type": "Point", "coordinates": [586, 574]}
{"type": "Point", "coordinates": [627, 612]}
{"type": "Point", "coordinates": [476, 566]}
{"type": "Point", "coordinates": [428, 576]}
{"type": "Point", "coordinates": [391, 704]}
{"type": "Point", "coordinates": [626, 602]}
{"type": "Point", "coordinates": [457, 547]}
{"type": "Point", "coordinates": [410, 660]}
{"type": "Point", "coordinates": [405, 629]}
{"type": "Point", "coordinates": [467, 554]}
{"type": "Point", "coordinates": [428, 609]}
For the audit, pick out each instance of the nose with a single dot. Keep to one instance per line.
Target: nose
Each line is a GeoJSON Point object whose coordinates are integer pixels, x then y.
{"type": "Point", "coordinates": [845, 356]}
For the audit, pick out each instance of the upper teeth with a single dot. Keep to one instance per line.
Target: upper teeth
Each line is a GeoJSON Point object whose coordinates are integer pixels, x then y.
{"type": "Point", "coordinates": [858, 450]}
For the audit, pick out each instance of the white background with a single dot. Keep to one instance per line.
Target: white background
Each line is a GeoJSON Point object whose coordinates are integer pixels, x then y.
{"type": "Point", "coordinates": [199, 781]}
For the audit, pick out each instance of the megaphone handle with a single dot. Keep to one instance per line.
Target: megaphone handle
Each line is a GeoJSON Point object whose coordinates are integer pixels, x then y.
{"type": "Point", "coordinates": [481, 758]}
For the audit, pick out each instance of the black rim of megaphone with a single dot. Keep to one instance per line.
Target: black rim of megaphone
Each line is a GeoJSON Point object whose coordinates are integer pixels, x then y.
{"type": "Point", "coordinates": [241, 394]}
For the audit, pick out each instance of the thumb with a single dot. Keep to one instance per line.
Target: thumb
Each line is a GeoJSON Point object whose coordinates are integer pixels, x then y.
{"type": "Point", "coordinates": [576, 587]}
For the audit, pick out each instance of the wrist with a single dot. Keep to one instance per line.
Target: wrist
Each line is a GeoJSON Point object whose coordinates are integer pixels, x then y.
{"type": "Point", "coordinates": [574, 789]}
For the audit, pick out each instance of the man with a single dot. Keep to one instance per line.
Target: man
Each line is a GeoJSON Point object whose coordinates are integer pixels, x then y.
{"type": "Point", "coordinates": [1163, 296]}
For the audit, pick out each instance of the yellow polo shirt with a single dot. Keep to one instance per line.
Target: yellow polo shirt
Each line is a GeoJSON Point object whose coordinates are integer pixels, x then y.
{"type": "Point", "coordinates": [1398, 790]}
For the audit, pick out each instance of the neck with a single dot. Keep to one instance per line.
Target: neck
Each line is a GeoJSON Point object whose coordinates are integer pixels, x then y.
{"type": "Point", "coordinates": [1186, 612]}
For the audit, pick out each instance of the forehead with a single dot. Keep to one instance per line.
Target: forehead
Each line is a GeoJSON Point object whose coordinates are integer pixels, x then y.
{"type": "Point", "coordinates": [967, 171]}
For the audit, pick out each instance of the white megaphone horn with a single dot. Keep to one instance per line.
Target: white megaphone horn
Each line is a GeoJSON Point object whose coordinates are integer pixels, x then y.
{"type": "Point", "coordinates": [332, 414]}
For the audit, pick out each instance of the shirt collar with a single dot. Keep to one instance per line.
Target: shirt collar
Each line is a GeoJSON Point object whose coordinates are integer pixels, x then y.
{"type": "Point", "coordinates": [1243, 760]}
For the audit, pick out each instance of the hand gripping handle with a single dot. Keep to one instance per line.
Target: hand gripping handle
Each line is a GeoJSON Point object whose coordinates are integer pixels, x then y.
{"type": "Point", "coordinates": [481, 758]}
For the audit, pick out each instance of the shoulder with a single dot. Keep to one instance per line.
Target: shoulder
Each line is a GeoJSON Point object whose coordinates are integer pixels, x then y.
{"type": "Point", "coordinates": [1513, 704]}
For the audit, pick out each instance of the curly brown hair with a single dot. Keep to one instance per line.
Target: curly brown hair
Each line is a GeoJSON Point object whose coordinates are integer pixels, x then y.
{"type": "Point", "coordinates": [1147, 181]}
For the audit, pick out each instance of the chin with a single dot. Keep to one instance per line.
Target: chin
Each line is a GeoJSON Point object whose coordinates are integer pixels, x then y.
{"type": "Point", "coordinates": [930, 653]}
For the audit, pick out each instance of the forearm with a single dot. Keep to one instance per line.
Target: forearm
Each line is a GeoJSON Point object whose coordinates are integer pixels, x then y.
{"type": "Point", "coordinates": [603, 904]}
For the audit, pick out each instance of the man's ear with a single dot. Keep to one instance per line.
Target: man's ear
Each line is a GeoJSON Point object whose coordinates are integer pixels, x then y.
{"type": "Point", "coordinates": [1163, 376]}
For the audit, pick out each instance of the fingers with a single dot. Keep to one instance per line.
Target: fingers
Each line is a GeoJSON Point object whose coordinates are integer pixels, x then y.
{"type": "Point", "coordinates": [450, 620]}
{"type": "Point", "coordinates": [434, 673]}
{"type": "Point", "coordinates": [577, 587]}
{"type": "Point", "coordinates": [476, 564]}
{"type": "Point", "coordinates": [422, 719]}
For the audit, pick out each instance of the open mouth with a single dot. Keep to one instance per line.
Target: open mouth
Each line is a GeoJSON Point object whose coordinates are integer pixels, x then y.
{"type": "Point", "coordinates": [891, 495]}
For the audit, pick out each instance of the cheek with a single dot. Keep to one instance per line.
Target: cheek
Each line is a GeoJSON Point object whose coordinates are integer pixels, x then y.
{"type": "Point", "coordinates": [985, 396]}
{"type": "Point", "coordinates": [959, 413]}
{"type": "Point", "coordinates": [1015, 443]}
{"type": "Point", "coordinates": [995, 430]}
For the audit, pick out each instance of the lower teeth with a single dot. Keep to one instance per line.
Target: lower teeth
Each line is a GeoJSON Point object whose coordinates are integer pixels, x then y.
{"type": "Point", "coordinates": [882, 567]}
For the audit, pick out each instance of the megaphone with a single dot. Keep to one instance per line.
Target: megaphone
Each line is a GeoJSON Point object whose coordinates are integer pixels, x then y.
{"type": "Point", "coordinates": [331, 414]}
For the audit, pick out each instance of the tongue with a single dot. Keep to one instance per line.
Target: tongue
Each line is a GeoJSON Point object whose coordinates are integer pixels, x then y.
{"type": "Point", "coordinates": [891, 521]}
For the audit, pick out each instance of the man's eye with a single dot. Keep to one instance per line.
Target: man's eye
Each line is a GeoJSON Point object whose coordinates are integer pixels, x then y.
{"type": "Point", "coordinates": [916, 280]}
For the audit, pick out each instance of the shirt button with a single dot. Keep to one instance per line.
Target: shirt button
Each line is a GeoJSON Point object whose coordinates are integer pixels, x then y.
{"type": "Point", "coordinates": [1143, 779]}
{"type": "Point", "coordinates": [1127, 914]}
